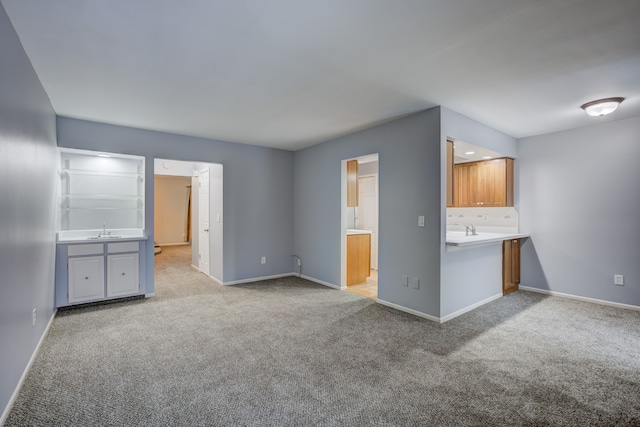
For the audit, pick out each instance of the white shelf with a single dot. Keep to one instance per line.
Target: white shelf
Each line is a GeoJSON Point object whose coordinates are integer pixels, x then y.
{"type": "Point", "coordinates": [101, 173]}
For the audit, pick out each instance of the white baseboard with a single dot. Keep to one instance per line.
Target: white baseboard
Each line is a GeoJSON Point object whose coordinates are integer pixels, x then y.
{"type": "Point", "coordinates": [254, 279]}
{"type": "Point", "coordinates": [219, 282]}
{"type": "Point", "coordinates": [320, 282]}
{"type": "Point", "coordinates": [12, 400]}
{"type": "Point", "coordinates": [579, 298]}
{"type": "Point", "coordinates": [408, 310]}
{"type": "Point", "coordinates": [150, 295]}
{"type": "Point", "coordinates": [469, 308]}
{"type": "Point", "coordinates": [173, 244]}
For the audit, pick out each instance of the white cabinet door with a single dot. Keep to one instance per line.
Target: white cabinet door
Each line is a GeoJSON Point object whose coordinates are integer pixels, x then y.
{"type": "Point", "coordinates": [122, 275]}
{"type": "Point", "coordinates": [86, 279]}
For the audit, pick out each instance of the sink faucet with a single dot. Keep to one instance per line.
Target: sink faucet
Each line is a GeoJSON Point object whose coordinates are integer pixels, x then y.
{"type": "Point", "coordinates": [470, 228]}
{"type": "Point", "coordinates": [104, 230]}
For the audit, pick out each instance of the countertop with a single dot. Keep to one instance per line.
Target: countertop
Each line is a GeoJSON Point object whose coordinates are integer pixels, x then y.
{"type": "Point", "coordinates": [75, 240]}
{"type": "Point", "coordinates": [355, 231]}
{"type": "Point", "coordinates": [458, 238]}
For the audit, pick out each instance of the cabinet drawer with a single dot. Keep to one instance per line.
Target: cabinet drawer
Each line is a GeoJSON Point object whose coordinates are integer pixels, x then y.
{"type": "Point", "coordinates": [90, 249]}
{"type": "Point", "coordinates": [114, 248]}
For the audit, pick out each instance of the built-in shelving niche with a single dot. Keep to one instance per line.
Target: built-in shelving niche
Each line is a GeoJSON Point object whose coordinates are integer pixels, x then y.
{"type": "Point", "coordinates": [100, 191]}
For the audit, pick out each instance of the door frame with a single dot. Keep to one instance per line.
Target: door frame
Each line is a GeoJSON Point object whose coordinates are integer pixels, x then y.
{"type": "Point", "coordinates": [216, 216]}
{"type": "Point", "coordinates": [344, 220]}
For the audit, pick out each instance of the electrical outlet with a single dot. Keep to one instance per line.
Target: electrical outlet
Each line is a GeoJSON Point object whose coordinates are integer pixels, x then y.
{"type": "Point", "coordinates": [618, 279]}
{"type": "Point", "coordinates": [263, 260]}
{"type": "Point", "coordinates": [33, 321]}
{"type": "Point", "coordinates": [405, 281]}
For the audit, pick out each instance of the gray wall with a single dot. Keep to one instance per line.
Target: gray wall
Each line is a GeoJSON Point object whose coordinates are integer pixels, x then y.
{"type": "Point", "coordinates": [258, 181]}
{"type": "Point", "coordinates": [580, 199]}
{"type": "Point", "coordinates": [474, 274]}
{"type": "Point", "coordinates": [27, 209]}
{"type": "Point", "coordinates": [409, 179]}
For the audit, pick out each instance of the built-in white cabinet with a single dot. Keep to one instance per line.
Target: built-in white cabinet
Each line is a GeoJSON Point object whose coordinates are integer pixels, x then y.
{"type": "Point", "coordinates": [100, 193]}
{"type": "Point", "coordinates": [90, 272]}
{"type": "Point", "coordinates": [122, 269]}
{"type": "Point", "coordinates": [86, 279]}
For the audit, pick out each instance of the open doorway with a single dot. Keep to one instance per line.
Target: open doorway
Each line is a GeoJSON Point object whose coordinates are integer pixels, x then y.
{"type": "Point", "coordinates": [360, 225]}
{"type": "Point", "coordinates": [188, 215]}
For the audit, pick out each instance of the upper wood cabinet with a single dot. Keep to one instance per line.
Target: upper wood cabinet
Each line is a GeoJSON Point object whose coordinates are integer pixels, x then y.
{"type": "Point", "coordinates": [450, 175]}
{"type": "Point", "coordinates": [483, 184]}
{"type": "Point", "coordinates": [352, 183]}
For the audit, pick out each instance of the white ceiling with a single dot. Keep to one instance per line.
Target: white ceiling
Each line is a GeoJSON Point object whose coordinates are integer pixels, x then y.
{"type": "Point", "coordinates": [291, 73]}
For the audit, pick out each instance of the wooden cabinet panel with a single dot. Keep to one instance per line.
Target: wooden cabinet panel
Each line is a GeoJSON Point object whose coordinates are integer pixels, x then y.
{"type": "Point", "coordinates": [352, 183]}
{"type": "Point", "coordinates": [510, 266]}
{"type": "Point", "coordinates": [484, 184]}
{"type": "Point", "coordinates": [358, 258]}
{"type": "Point", "coordinates": [450, 175]}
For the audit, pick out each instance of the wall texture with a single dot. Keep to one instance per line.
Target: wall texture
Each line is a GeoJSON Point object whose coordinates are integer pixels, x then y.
{"type": "Point", "coordinates": [581, 203]}
{"type": "Point", "coordinates": [409, 186]}
{"type": "Point", "coordinates": [258, 190]}
{"type": "Point", "coordinates": [27, 224]}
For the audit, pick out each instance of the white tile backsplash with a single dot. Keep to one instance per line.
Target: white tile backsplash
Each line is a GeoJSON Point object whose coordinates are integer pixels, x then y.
{"type": "Point", "coordinates": [492, 220]}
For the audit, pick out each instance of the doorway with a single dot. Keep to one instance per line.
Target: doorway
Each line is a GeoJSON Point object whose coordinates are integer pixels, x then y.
{"type": "Point", "coordinates": [188, 214]}
{"type": "Point", "coordinates": [360, 225]}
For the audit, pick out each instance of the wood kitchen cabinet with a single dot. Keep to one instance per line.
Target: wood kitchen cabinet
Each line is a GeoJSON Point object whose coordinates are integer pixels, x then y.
{"type": "Point", "coordinates": [450, 175]}
{"type": "Point", "coordinates": [510, 266]}
{"type": "Point", "coordinates": [358, 258]}
{"type": "Point", "coordinates": [352, 183]}
{"type": "Point", "coordinates": [483, 184]}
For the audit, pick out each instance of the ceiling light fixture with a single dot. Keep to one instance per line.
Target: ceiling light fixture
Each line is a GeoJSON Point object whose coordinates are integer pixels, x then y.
{"type": "Point", "coordinates": [601, 107]}
{"type": "Point", "coordinates": [468, 153]}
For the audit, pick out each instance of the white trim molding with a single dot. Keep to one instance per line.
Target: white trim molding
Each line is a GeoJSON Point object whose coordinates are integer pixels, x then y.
{"type": "Point", "coordinates": [579, 298]}
{"type": "Point", "coordinates": [408, 310]}
{"type": "Point", "coordinates": [150, 295]}
{"type": "Point", "coordinates": [14, 396]}
{"type": "Point", "coordinates": [320, 282]}
{"type": "Point", "coordinates": [469, 308]}
{"type": "Point", "coordinates": [254, 279]}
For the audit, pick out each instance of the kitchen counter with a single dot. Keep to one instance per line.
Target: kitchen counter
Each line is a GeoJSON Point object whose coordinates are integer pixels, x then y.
{"type": "Point", "coordinates": [458, 238]}
{"type": "Point", "coordinates": [351, 231]}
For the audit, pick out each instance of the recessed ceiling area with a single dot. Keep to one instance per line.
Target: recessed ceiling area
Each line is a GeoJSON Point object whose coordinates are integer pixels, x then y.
{"type": "Point", "coordinates": [289, 74]}
{"type": "Point", "coordinates": [463, 152]}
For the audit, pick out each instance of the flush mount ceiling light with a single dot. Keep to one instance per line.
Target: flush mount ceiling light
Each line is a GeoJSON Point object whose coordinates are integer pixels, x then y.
{"type": "Point", "coordinates": [601, 107]}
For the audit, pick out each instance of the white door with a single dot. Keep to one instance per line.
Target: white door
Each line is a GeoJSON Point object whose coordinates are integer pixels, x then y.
{"type": "Point", "coordinates": [122, 275]}
{"type": "Point", "coordinates": [86, 278]}
{"type": "Point", "coordinates": [368, 212]}
{"type": "Point", "coordinates": [203, 221]}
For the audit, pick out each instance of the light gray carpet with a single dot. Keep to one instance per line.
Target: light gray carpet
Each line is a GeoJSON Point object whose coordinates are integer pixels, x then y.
{"type": "Point", "coordinates": [290, 352]}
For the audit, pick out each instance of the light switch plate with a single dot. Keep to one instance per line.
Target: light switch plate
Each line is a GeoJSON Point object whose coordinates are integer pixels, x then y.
{"type": "Point", "coordinates": [618, 279]}
{"type": "Point", "coordinates": [421, 221]}
{"type": "Point", "coordinates": [415, 283]}
{"type": "Point", "coordinates": [405, 281]}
